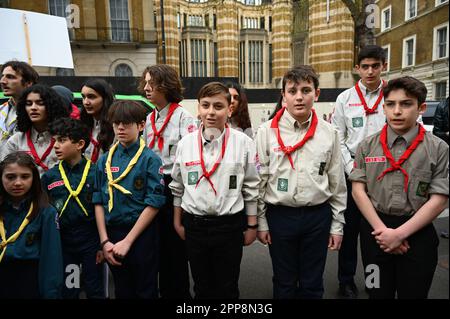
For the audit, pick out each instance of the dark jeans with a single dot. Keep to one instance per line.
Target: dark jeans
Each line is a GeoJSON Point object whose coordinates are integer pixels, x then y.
{"type": "Point", "coordinates": [409, 275]}
{"type": "Point", "coordinates": [138, 275]}
{"type": "Point", "coordinates": [299, 249]}
{"type": "Point", "coordinates": [79, 246]}
{"type": "Point", "coordinates": [348, 253]}
{"type": "Point", "coordinates": [19, 279]}
{"type": "Point", "coordinates": [214, 247]}
{"type": "Point", "coordinates": [173, 269]}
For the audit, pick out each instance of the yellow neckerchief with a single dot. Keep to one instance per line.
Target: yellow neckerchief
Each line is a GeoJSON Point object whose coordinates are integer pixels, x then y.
{"type": "Point", "coordinates": [114, 183]}
{"type": "Point", "coordinates": [77, 192]}
{"type": "Point", "coordinates": [4, 243]}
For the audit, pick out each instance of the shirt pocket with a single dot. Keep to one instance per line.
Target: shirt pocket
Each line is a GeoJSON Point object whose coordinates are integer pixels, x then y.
{"type": "Point", "coordinates": [419, 186]}
{"type": "Point", "coordinates": [319, 166]}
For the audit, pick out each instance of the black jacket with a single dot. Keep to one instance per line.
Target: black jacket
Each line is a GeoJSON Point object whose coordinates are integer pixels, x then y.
{"type": "Point", "coordinates": [440, 121]}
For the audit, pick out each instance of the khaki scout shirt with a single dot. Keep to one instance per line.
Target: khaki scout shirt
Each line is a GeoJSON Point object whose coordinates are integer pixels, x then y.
{"type": "Point", "coordinates": [427, 168]}
{"type": "Point", "coordinates": [41, 141]}
{"type": "Point", "coordinates": [349, 118]}
{"type": "Point", "coordinates": [181, 123]}
{"type": "Point", "coordinates": [235, 179]}
{"type": "Point", "coordinates": [318, 175]}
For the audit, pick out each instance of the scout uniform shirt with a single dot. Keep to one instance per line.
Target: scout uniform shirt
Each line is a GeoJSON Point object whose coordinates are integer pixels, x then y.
{"type": "Point", "coordinates": [144, 181]}
{"type": "Point", "coordinates": [42, 143]}
{"type": "Point", "coordinates": [234, 184]}
{"type": "Point", "coordinates": [39, 241]}
{"type": "Point", "coordinates": [427, 169]}
{"type": "Point", "coordinates": [93, 151]}
{"type": "Point", "coordinates": [53, 183]}
{"type": "Point", "coordinates": [8, 121]}
{"type": "Point", "coordinates": [317, 176]}
{"type": "Point", "coordinates": [180, 124]}
{"type": "Point", "coordinates": [352, 123]}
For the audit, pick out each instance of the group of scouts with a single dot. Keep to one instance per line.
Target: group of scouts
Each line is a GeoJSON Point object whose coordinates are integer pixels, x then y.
{"type": "Point", "coordinates": [150, 193]}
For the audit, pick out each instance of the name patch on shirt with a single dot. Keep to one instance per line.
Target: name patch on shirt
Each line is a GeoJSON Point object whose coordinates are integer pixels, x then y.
{"type": "Point", "coordinates": [114, 169]}
{"type": "Point", "coordinates": [354, 104]}
{"type": "Point", "coordinates": [283, 185]}
{"type": "Point", "coordinates": [375, 159]}
{"type": "Point", "coordinates": [357, 121]}
{"type": "Point", "coordinates": [193, 163]}
{"type": "Point", "coordinates": [55, 184]}
{"type": "Point", "coordinates": [192, 178]}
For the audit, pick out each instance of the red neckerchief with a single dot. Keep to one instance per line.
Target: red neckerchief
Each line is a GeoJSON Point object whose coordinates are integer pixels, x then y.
{"type": "Point", "coordinates": [158, 134]}
{"type": "Point", "coordinates": [368, 110]}
{"type": "Point", "coordinates": [398, 165]}
{"type": "Point", "coordinates": [288, 150]}
{"type": "Point", "coordinates": [96, 150]}
{"type": "Point", "coordinates": [207, 174]}
{"type": "Point", "coordinates": [39, 160]}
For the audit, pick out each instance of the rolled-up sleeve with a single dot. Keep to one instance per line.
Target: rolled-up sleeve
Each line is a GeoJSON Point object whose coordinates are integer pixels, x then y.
{"type": "Point", "coordinates": [358, 173]}
{"type": "Point", "coordinates": [250, 190]}
{"type": "Point", "coordinates": [97, 198]}
{"type": "Point", "coordinates": [154, 195]}
{"type": "Point", "coordinates": [439, 180]}
{"type": "Point", "coordinates": [262, 165]}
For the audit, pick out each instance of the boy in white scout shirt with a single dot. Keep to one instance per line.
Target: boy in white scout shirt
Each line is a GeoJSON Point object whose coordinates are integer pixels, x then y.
{"type": "Point", "coordinates": [164, 127]}
{"type": "Point", "coordinates": [400, 183]}
{"type": "Point", "coordinates": [302, 190]}
{"type": "Point", "coordinates": [358, 113]}
{"type": "Point", "coordinates": [214, 180]}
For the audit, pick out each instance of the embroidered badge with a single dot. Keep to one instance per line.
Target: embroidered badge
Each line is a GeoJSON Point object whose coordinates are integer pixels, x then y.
{"type": "Point", "coordinates": [55, 184]}
{"type": "Point", "coordinates": [375, 159]}
{"type": "Point", "coordinates": [192, 178]}
{"type": "Point", "coordinates": [282, 185]}
{"type": "Point", "coordinates": [138, 183]}
{"type": "Point", "coordinates": [192, 163]}
{"type": "Point", "coordinates": [114, 169]}
{"type": "Point", "coordinates": [422, 189]}
{"type": "Point", "coordinates": [30, 239]}
{"type": "Point", "coordinates": [191, 128]}
{"type": "Point", "coordinates": [233, 182]}
{"type": "Point", "coordinates": [357, 122]}
{"type": "Point", "coordinates": [161, 170]}
{"type": "Point", "coordinates": [322, 168]}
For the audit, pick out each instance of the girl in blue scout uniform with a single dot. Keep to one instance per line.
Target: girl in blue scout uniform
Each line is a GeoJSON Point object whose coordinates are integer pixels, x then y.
{"type": "Point", "coordinates": [30, 246]}
{"type": "Point", "coordinates": [128, 193]}
{"type": "Point", "coordinates": [70, 185]}
{"type": "Point", "coordinates": [97, 98]}
{"type": "Point", "coordinates": [38, 106]}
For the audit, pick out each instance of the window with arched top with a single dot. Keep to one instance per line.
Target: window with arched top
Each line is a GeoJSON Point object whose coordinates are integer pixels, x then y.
{"type": "Point", "coordinates": [123, 70]}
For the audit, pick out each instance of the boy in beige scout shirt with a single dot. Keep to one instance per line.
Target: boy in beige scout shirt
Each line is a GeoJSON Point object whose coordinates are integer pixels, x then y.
{"type": "Point", "coordinates": [302, 190]}
{"type": "Point", "coordinates": [400, 184]}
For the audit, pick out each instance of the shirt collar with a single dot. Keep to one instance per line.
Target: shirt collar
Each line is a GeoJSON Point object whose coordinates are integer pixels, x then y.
{"type": "Point", "coordinates": [35, 135]}
{"type": "Point", "coordinates": [24, 205]}
{"type": "Point", "coordinates": [290, 121]}
{"type": "Point", "coordinates": [132, 149]}
{"type": "Point", "coordinates": [78, 166]}
{"type": "Point", "coordinates": [408, 136]}
{"type": "Point", "coordinates": [216, 140]}
{"type": "Point", "coordinates": [163, 113]}
{"type": "Point", "coordinates": [364, 88]}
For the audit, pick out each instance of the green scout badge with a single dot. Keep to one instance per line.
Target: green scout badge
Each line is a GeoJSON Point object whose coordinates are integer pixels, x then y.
{"type": "Point", "coordinates": [30, 239]}
{"type": "Point", "coordinates": [138, 183]}
{"type": "Point", "coordinates": [282, 185]}
{"type": "Point", "coordinates": [357, 122]}
{"type": "Point", "coordinates": [192, 178]}
{"type": "Point", "coordinates": [233, 182]}
{"type": "Point", "coordinates": [422, 189]}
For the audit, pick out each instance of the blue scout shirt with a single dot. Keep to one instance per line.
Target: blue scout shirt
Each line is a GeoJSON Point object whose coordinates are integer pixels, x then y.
{"type": "Point", "coordinates": [145, 182]}
{"type": "Point", "coordinates": [53, 184]}
{"type": "Point", "coordinates": [39, 240]}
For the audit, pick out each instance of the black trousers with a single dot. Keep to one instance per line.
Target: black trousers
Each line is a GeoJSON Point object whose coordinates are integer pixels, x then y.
{"type": "Point", "coordinates": [214, 248]}
{"type": "Point", "coordinates": [174, 268]}
{"type": "Point", "coordinates": [299, 249]}
{"type": "Point", "coordinates": [409, 275]}
{"type": "Point", "coordinates": [19, 279]}
{"type": "Point", "coordinates": [348, 253]}
{"type": "Point", "coordinates": [137, 278]}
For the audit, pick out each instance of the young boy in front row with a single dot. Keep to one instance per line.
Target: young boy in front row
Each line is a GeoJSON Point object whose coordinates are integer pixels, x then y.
{"type": "Point", "coordinates": [302, 190]}
{"type": "Point", "coordinates": [400, 184]}
{"type": "Point", "coordinates": [128, 194]}
{"type": "Point", "coordinates": [70, 185]}
{"type": "Point", "coordinates": [214, 182]}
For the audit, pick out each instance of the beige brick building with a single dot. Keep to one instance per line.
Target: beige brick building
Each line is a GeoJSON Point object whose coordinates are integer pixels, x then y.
{"type": "Point", "coordinates": [414, 34]}
{"type": "Point", "coordinates": [108, 38]}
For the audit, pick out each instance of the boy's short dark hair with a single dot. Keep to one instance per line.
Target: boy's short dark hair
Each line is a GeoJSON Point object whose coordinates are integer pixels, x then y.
{"type": "Point", "coordinates": [71, 128]}
{"type": "Point", "coordinates": [26, 71]}
{"type": "Point", "coordinates": [126, 112]}
{"type": "Point", "coordinates": [166, 80]}
{"type": "Point", "coordinates": [412, 86]}
{"type": "Point", "coordinates": [372, 51]}
{"type": "Point", "coordinates": [214, 88]}
{"type": "Point", "coordinates": [301, 73]}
